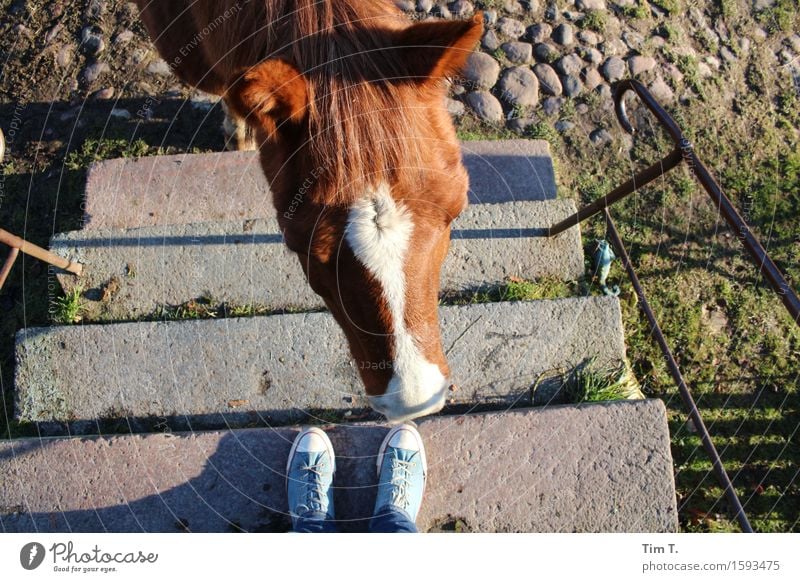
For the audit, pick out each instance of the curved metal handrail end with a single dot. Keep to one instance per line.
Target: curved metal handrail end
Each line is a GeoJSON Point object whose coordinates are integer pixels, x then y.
{"type": "Point", "coordinates": [620, 89]}
{"type": "Point", "coordinates": [664, 118]}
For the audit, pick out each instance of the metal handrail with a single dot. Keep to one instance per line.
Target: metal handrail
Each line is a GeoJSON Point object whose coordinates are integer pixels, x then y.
{"type": "Point", "coordinates": [677, 376]}
{"type": "Point", "coordinates": [683, 151]}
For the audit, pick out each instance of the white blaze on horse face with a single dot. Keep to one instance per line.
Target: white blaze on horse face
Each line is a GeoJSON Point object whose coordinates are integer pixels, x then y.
{"type": "Point", "coordinates": [379, 231]}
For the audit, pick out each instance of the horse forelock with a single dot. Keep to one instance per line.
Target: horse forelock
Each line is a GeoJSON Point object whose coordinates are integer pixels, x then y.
{"type": "Point", "coordinates": [362, 126]}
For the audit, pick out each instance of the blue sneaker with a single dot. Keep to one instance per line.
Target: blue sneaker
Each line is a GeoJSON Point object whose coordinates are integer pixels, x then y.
{"type": "Point", "coordinates": [402, 470]}
{"type": "Point", "coordinates": [309, 475]}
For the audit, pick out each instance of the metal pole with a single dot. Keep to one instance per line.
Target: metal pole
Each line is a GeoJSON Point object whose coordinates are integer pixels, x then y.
{"type": "Point", "coordinates": [757, 252]}
{"type": "Point", "coordinates": [639, 180]}
{"type": "Point", "coordinates": [751, 244]}
{"type": "Point", "coordinates": [686, 396]}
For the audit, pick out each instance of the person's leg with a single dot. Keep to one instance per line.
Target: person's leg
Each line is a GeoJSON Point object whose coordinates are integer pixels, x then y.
{"type": "Point", "coordinates": [402, 470]}
{"type": "Point", "coordinates": [309, 476]}
{"type": "Point", "coordinates": [313, 522]}
{"type": "Point", "coordinates": [392, 520]}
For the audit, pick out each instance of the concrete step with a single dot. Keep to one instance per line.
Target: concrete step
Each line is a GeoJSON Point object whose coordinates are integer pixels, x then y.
{"type": "Point", "coordinates": [130, 273]}
{"type": "Point", "coordinates": [230, 186]}
{"type": "Point", "coordinates": [590, 468]}
{"type": "Point", "coordinates": [289, 368]}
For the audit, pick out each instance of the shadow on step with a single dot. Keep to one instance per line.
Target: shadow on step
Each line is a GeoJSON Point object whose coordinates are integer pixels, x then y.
{"type": "Point", "coordinates": [203, 482]}
{"type": "Point", "coordinates": [136, 241]}
{"type": "Point", "coordinates": [550, 392]}
{"type": "Point", "coordinates": [593, 467]}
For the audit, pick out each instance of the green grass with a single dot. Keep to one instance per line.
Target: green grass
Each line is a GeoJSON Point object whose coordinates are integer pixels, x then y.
{"type": "Point", "coordinates": [567, 109]}
{"type": "Point", "coordinates": [788, 105]}
{"type": "Point", "coordinates": [687, 64]}
{"type": "Point", "coordinates": [496, 4]}
{"type": "Point", "coordinates": [640, 11]}
{"type": "Point", "coordinates": [671, 6]}
{"type": "Point", "coordinates": [707, 40]}
{"type": "Point", "coordinates": [592, 383]}
{"type": "Point", "coordinates": [594, 20]}
{"type": "Point", "coordinates": [472, 129]}
{"type": "Point", "coordinates": [669, 31]}
{"type": "Point", "coordinates": [784, 16]}
{"type": "Point", "coordinates": [736, 346]}
{"type": "Point", "coordinates": [760, 456]}
{"type": "Point", "coordinates": [519, 112]}
{"type": "Point", "coordinates": [67, 309]}
{"type": "Point", "coordinates": [93, 150]}
{"type": "Point", "coordinates": [544, 130]}
{"type": "Point", "coordinates": [728, 9]}
{"type": "Point", "coordinates": [516, 289]}
{"type": "Point", "coordinates": [210, 308]}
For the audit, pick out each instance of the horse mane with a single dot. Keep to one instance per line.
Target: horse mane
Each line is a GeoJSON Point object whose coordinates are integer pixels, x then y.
{"type": "Point", "coordinates": [359, 131]}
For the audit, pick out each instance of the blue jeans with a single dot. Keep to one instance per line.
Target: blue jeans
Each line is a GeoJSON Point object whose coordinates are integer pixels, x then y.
{"type": "Point", "coordinates": [388, 520]}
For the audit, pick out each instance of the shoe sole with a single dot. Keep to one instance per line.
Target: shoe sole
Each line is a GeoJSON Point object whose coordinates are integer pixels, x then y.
{"type": "Point", "coordinates": [385, 444]}
{"type": "Point", "coordinates": [296, 443]}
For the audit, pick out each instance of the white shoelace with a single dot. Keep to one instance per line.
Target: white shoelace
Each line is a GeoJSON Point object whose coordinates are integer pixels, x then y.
{"type": "Point", "coordinates": [314, 492]}
{"type": "Point", "coordinates": [401, 482]}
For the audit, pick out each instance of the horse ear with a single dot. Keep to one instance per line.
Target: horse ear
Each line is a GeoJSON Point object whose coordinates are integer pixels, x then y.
{"type": "Point", "coordinates": [268, 94]}
{"type": "Point", "coordinates": [439, 48]}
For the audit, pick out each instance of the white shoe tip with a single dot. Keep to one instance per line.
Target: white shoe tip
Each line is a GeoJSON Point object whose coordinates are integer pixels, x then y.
{"type": "Point", "coordinates": [404, 439]}
{"type": "Point", "coordinates": [312, 443]}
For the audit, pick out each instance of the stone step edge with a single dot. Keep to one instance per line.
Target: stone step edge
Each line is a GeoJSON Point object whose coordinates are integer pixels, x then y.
{"type": "Point", "coordinates": [275, 370]}
{"type": "Point", "coordinates": [245, 263]}
{"type": "Point", "coordinates": [595, 467]}
{"type": "Point", "coordinates": [151, 190]}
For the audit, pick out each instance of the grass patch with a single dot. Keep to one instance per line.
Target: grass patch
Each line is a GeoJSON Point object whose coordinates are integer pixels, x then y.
{"type": "Point", "coordinates": [788, 104]}
{"type": "Point", "coordinates": [687, 64]}
{"type": "Point", "coordinates": [470, 128]}
{"type": "Point", "coordinates": [488, 4]}
{"type": "Point", "coordinates": [669, 31]}
{"type": "Point", "coordinates": [515, 289]}
{"type": "Point", "coordinates": [519, 112]}
{"type": "Point", "coordinates": [209, 308]}
{"type": "Point", "coordinates": [567, 110]}
{"type": "Point", "coordinates": [593, 185]}
{"type": "Point", "coordinates": [671, 6]}
{"type": "Point", "coordinates": [543, 130]}
{"type": "Point", "coordinates": [707, 40]}
{"type": "Point", "coordinates": [728, 9]}
{"type": "Point", "coordinates": [755, 445]}
{"type": "Point", "coordinates": [784, 16]}
{"type": "Point", "coordinates": [93, 150]}
{"type": "Point", "coordinates": [639, 11]}
{"type": "Point", "coordinates": [735, 344]}
{"type": "Point", "coordinates": [594, 20]}
{"type": "Point", "coordinates": [591, 383]}
{"type": "Point", "coordinates": [67, 309]}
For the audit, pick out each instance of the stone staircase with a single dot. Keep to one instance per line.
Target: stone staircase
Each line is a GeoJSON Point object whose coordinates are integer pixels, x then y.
{"type": "Point", "coordinates": [166, 230]}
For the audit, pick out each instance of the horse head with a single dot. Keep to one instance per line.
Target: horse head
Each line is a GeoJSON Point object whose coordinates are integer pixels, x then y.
{"type": "Point", "coordinates": [366, 176]}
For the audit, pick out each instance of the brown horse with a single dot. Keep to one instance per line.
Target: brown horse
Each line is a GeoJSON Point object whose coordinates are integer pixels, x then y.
{"type": "Point", "coordinates": [346, 98]}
